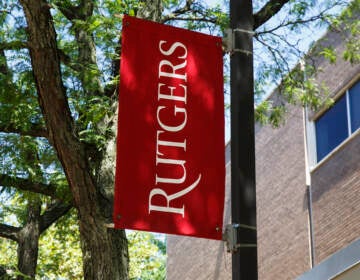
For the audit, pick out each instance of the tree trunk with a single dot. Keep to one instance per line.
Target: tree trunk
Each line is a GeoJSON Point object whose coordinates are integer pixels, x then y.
{"type": "Point", "coordinates": [104, 250]}
{"type": "Point", "coordinates": [105, 254]}
{"type": "Point", "coordinates": [28, 242]}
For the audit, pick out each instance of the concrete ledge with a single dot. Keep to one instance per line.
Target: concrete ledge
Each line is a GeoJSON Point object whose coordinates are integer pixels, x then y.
{"type": "Point", "coordinates": [336, 264]}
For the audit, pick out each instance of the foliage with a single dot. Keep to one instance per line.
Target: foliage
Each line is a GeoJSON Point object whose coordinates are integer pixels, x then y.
{"type": "Point", "coordinates": [284, 43]}
{"type": "Point", "coordinates": [147, 256]}
{"type": "Point", "coordinates": [60, 253]}
{"type": "Point", "coordinates": [8, 260]}
{"type": "Point", "coordinates": [352, 52]}
{"type": "Point", "coordinates": [59, 256]}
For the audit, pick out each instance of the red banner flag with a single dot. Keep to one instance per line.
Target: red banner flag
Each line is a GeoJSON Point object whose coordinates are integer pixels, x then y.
{"type": "Point", "coordinates": [170, 167]}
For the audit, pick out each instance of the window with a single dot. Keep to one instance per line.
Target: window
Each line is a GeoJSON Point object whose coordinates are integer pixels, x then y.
{"type": "Point", "coordinates": [331, 128]}
{"type": "Point", "coordinates": [354, 99]}
{"type": "Point", "coordinates": [338, 123]}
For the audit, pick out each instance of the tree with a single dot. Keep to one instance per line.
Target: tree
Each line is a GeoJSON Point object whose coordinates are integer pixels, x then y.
{"type": "Point", "coordinates": [284, 43]}
{"type": "Point", "coordinates": [59, 65]}
{"type": "Point", "coordinates": [147, 256]}
{"type": "Point", "coordinates": [34, 213]}
{"type": "Point", "coordinates": [59, 253]}
{"type": "Point", "coordinates": [55, 93]}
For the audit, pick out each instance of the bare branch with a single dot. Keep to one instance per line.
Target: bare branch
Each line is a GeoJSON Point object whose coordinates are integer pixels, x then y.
{"type": "Point", "coordinates": [271, 8]}
{"type": "Point", "coordinates": [321, 16]}
{"type": "Point", "coordinates": [28, 185]}
{"type": "Point", "coordinates": [276, 54]}
{"type": "Point", "coordinates": [9, 232]}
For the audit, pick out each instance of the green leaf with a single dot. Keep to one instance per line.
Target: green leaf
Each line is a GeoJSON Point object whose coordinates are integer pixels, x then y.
{"type": "Point", "coordinates": [330, 54]}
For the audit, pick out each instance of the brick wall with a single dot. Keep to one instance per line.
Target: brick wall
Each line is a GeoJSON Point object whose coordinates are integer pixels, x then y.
{"type": "Point", "coordinates": [282, 205]}
{"type": "Point", "coordinates": [282, 216]}
{"type": "Point", "coordinates": [336, 182]}
{"type": "Point", "coordinates": [336, 200]}
{"type": "Point", "coordinates": [200, 259]}
{"type": "Point", "coordinates": [337, 76]}
{"type": "Point", "coordinates": [283, 242]}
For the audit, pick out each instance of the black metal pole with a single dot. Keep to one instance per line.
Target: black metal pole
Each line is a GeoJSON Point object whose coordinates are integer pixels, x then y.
{"type": "Point", "coordinates": [243, 197]}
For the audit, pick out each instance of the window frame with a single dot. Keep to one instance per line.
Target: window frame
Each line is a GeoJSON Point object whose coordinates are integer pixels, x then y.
{"type": "Point", "coordinates": [332, 127]}
{"type": "Point", "coordinates": [310, 130]}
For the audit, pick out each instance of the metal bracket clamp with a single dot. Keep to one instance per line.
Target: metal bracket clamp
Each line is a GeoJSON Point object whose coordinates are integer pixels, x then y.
{"type": "Point", "coordinates": [229, 40]}
{"type": "Point", "coordinates": [230, 236]}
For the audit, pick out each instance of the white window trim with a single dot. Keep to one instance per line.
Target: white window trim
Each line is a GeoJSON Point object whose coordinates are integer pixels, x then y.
{"type": "Point", "coordinates": [311, 140]}
{"type": "Point", "coordinates": [334, 151]}
{"type": "Point", "coordinates": [348, 112]}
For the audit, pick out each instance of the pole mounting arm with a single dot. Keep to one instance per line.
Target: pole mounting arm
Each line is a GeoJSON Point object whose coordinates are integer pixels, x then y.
{"type": "Point", "coordinates": [231, 237]}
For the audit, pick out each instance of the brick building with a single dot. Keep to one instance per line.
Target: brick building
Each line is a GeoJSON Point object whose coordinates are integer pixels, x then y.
{"type": "Point", "coordinates": [308, 192]}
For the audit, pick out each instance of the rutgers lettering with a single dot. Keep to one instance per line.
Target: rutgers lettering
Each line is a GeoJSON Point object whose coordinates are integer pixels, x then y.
{"type": "Point", "coordinates": [171, 87]}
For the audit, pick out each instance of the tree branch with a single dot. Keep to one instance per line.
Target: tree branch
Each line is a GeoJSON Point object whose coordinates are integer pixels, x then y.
{"type": "Point", "coordinates": [55, 107]}
{"type": "Point", "coordinates": [192, 18]}
{"type": "Point", "coordinates": [28, 185]}
{"type": "Point", "coordinates": [52, 214]}
{"type": "Point", "coordinates": [72, 12]}
{"type": "Point", "coordinates": [3, 66]}
{"type": "Point", "coordinates": [276, 54]}
{"type": "Point", "coordinates": [174, 15]}
{"type": "Point", "coordinates": [321, 16]}
{"type": "Point", "coordinates": [66, 60]}
{"type": "Point", "coordinates": [9, 232]}
{"type": "Point", "coordinates": [17, 45]}
{"type": "Point", "coordinates": [35, 130]}
{"type": "Point", "coordinates": [86, 45]}
{"type": "Point", "coordinates": [271, 8]}
{"type": "Point", "coordinates": [14, 45]}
